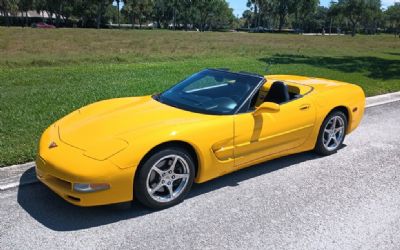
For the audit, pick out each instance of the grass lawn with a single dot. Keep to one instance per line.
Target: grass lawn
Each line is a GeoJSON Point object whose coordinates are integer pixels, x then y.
{"type": "Point", "coordinates": [45, 74]}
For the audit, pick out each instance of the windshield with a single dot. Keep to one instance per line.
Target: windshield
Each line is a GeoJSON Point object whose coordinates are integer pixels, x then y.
{"type": "Point", "coordinates": [211, 92]}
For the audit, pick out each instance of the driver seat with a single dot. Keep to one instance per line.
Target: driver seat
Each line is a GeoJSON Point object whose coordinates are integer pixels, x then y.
{"type": "Point", "coordinates": [278, 93]}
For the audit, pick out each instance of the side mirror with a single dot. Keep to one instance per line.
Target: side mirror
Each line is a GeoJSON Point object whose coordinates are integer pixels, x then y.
{"type": "Point", "coordinates": [265, 107]}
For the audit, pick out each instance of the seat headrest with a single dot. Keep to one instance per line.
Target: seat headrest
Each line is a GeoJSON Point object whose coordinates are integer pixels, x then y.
{"type": "Point", "coordinates": [278, 93]}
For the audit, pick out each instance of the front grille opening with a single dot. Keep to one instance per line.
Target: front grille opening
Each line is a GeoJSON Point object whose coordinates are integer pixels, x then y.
{"type": "Point", "coordinates": [59, 182]}
{"type": "Point", "coordinates": [73, 198]}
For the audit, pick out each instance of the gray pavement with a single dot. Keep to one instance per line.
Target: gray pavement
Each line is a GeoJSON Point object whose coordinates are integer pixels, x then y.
{"type": "Point", "coordinates": [349, 200]}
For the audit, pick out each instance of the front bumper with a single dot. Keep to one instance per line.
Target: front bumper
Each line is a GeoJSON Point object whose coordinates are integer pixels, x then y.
{"type": "Point", "coordinates": [61, 167]}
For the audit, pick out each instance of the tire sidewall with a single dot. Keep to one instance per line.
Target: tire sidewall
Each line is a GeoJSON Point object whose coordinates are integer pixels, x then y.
{"type": "Point", "coordinates": [140, 187]}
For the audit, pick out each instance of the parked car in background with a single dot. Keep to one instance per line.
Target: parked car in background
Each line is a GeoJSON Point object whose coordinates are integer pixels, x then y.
{"type": "Point", "coordinates": [43, 26]}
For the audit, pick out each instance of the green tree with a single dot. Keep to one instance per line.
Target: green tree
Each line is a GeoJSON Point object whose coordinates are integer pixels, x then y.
{"type": "Point", "coordinates": [333, 15]}
{"type": "Point", "coordinates": [262, 9]}
{"type": "Point", "coordinates": [281, 9]}
{"type": "Point", "coordinates": [163, 12]}
{"type": "Point", "coordinates": [255, 6]}
{"type": "Point", "coordinates": [144, 10]}
{"type": "Point", "coordinates": [186, 13]}
{"type": "Point", "coordinates": [393, 16]}
{"type": "Point", "coordinates": [372, 16]}
{"type": "Point", "coordinates": [24, 6]}
{"type": "Point", "coordinates": [8, 6]}
{"type": "Point", "coordinates": [130, 8]}
{"type": "Point", "coordinates": [101, 7]}
{"type": "Point", "coordinates": [305, 11]}
{"type": "Point", "coordinates": [247, 16]}
{"type": "Point", "coordinates": [222, 16]}
{"type": "Point", "coordinates": [62, 9]}
{"type": "Point", "coordinates": [205, 11]}
{"type": "Point", "coordinates": [353, 10]}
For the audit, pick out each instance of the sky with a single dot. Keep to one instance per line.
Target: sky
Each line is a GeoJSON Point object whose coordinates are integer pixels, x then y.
{"type": "Point", "coordinates": [239, 6]}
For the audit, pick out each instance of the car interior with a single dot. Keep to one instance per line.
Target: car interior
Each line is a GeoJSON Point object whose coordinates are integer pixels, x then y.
{"type": "Point", "coordinates": [279, 93]}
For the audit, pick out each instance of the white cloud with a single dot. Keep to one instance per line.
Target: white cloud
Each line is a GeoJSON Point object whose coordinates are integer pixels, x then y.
{"type": "Point", "coordinates": [386, 3]}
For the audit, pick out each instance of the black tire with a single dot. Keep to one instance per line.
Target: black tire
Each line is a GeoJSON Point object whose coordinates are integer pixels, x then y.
{"type": "Point", "coordinates": [140, 183]}
{"type": "Point", "coordinates": [320, 147]}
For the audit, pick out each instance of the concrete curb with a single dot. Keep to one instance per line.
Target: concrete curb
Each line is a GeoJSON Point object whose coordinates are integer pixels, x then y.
{"type": "Point", "coordinates": [10, 177]}
{"type": "Point", "coordinates": [382, 99]}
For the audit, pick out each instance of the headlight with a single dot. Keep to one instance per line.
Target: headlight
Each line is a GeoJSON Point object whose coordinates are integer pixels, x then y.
{"type": "Point", "coordinates": [101, 150]}
{"type": "Point", "coordinates": [88, 188]}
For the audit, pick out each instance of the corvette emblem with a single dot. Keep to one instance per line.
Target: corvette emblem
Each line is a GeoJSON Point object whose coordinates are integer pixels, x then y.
{"type": "Point", "coordinates": [52, 145]}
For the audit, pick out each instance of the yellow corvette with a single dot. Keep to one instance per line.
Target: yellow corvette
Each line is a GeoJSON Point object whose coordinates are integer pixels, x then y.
{"type": "Point", "coordinates": [152, 148]}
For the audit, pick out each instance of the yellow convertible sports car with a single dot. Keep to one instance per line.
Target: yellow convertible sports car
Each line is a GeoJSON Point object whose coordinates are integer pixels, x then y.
{"type": "Point", "coordinates": [152, 148]}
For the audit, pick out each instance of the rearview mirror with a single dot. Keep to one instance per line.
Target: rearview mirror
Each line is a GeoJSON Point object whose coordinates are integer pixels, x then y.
{"type": "Point", "coordinates": [265, 107]}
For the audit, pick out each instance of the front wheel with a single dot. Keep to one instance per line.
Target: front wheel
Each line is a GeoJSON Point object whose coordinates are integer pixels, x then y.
{"type": "Point", "coordinates": [332, 133]}
{"type": "Point", "coordinates": [165, 178]}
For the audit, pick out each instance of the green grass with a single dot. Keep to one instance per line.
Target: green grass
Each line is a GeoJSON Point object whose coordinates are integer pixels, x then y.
{"type": "Point", "coordinates": [45, 74]}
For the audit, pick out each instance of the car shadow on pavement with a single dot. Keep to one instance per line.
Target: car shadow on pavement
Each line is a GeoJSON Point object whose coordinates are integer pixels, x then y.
{"type": "Point", "coordinates": [56, 214]}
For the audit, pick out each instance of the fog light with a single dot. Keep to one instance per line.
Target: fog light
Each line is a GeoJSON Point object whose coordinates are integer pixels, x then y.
{"type": "Point", "coordinates": [93, 187]}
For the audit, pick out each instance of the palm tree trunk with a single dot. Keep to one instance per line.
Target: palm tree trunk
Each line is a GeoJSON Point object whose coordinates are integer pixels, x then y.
{"type": "Point", "coordinates": [140, 18]}
{"type": "Point", "coordinates": [23, 19]}
{"type": "Point", "coordinates": [174, 18]}
{"type": "Point", "coordinates": [7, 18]}
{"type": "Point", "coordinates": [119, 24]}
{"type": "Point", "coordinates": [98, 19]}
{"type": "Point", "coordinates": [26, 18]}
{"type": "Point", "coordinates": [353, 29]}
{"type": "Point", "coordinates": [281, 21]}
{"type": "Point", "coordinates": [99, 14]}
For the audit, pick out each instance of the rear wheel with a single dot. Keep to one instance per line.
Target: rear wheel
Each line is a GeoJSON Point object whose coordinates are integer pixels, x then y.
{"type": "Point", "coordinates": [332, 133]}
{"type": "Point", "coordinates": [165, 178]}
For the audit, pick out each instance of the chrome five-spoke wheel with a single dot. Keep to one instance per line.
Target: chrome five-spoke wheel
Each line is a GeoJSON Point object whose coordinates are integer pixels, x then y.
{"type": "Point", "coordinates": [332, 133]}
{"type": "Point", "coordinates": [167, 178]}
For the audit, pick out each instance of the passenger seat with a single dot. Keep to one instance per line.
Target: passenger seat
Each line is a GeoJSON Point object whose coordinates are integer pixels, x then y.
{"type": "Point", "coordinates": [278, 93]}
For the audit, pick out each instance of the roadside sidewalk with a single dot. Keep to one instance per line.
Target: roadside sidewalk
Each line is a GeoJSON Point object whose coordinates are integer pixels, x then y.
{"type": "Point", "coordinates": [382, 99]}
{"type": "Point", "coordinates": [10, 177]}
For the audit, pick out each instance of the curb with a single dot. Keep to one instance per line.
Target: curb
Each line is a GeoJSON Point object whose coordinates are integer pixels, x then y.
{"type": "Point", "coordinates": [10, 177]}
{"type": "Point", "coordinates": [382, 99]}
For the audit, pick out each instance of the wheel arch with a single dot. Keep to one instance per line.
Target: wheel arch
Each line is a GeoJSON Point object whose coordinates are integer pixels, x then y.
{"type": "Point", "coordinates": [175, 143]}
{"type": "Point", "coordinates": [346, 111]}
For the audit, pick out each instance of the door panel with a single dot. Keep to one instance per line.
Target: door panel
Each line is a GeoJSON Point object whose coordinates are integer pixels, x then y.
{"type": "Point", "coordinates": [259, 136]}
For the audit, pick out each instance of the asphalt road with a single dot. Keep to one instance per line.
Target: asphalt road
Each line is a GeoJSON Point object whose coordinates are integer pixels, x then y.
{"type": "Point", "coordinates": [349, 200]}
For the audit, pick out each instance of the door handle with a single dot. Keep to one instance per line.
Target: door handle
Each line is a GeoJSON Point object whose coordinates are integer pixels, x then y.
{"type": "Point", "coordinates": [304, 107]}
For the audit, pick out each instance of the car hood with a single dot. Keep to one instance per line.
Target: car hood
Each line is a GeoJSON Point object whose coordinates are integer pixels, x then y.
{"type": "Point", "coordinates": [107, 122]}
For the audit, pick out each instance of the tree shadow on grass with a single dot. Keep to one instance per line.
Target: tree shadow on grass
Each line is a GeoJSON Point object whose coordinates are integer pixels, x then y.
{"type": "Point", "coordinates": [393, 53]}
{"type": "Point", "coordinates": [372, 67]}
{"type": "Point", "coordinates": [56, 214]}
